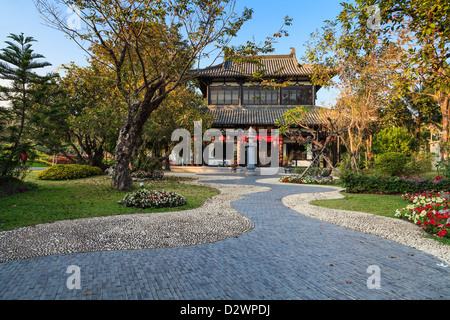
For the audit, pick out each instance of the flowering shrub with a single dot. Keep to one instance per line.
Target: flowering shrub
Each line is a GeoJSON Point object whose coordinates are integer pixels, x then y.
{"type": "Point", "coordinates": [68, 171]}
{"type": "Point", "coordinates": [141, 175]}
{"type": "Point", "coordinates": [144, 198]}
{"type": "Point", "coordinates": [63, 161]}
{"type": "Point", "coordinates": [10, 186]}
{"type": "Point", "coordinates": [307, 180]}
{"type": "Point", "coordinates": [429, 210]}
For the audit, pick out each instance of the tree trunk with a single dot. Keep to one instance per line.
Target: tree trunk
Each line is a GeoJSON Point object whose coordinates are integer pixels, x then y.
{"type": "Point", "coordinates": [125, 146]}
{"type": "Point", "coordinates": [129, 136]}
{"type": "Point", "coordinates": [369, 152]}
{"type": "Point", "coordinates": [443, 100]}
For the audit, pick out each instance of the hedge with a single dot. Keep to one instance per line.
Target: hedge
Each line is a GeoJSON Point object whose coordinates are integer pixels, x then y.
{"type": "Point", "coordinates": [68, 171]}
{"type": "Point", "coordinates": [357, 183]}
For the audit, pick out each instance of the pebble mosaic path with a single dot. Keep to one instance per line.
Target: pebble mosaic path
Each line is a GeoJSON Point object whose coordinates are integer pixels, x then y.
{"type": "Point", "coordinates": [286, 256]}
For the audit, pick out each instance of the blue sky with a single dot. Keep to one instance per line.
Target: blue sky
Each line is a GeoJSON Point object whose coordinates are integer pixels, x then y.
{"type": "Point", "coordinates": [19, 16]}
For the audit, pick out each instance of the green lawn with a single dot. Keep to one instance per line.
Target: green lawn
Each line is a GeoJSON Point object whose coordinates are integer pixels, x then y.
{"type": "Point", "coordinates": [384, 205]}
{"type": "Point", "coordinates": [38, 165]}
{"type": "Point", "coordinates": [82, 198]}
{"type": "Point", "coordinates": [379, 204]}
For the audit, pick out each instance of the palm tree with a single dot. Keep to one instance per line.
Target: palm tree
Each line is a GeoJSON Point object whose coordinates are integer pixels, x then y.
{"type": "Point", "coordinates": [17, 65]}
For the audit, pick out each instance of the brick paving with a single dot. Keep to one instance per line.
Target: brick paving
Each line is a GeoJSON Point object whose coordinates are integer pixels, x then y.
{"type": "Point", "coordinates": [286, 256]}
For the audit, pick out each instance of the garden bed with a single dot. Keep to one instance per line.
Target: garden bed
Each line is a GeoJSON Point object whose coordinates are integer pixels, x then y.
{"type": "Point", "coordinates": [308, 180]}
{"type": "Point", "coordinates": [10, 186]}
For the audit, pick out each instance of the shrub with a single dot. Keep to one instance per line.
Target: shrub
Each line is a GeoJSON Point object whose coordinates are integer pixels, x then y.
{"type": "Point", "coordinates": [392, 163]}
{"type": "Point", "coordinates": [419, 164]}
{"type": "Point", "coordinates": [357, 183]}
{"type": "Point", "coordinates": [145, 175]}
{"type": "Point", "coordinates": [144, 198]}
{"type": "Point", "coordinates": [394, 140]}
{"type": "Point", "coordinates": [443, 168]}
{"type": "Point", "coordinates": [68, 171]}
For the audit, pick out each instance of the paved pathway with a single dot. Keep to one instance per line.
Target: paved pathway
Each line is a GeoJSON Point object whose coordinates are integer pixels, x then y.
{"type": "Point", "coordinates": [286, 256]}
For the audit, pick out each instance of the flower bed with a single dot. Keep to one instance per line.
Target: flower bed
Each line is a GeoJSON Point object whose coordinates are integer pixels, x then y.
{"type": "Point", "coordinates": [323, 181]}
{"type": "Point", "coordinates": [10, 186]}
{"type": "Point", "coordinates": [429, 210]}
{"type": "Point", "coordinates": [144, 198]}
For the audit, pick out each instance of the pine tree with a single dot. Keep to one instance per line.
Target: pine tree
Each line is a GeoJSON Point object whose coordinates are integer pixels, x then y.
{"type": "Point", "coordinates": [17, 64]}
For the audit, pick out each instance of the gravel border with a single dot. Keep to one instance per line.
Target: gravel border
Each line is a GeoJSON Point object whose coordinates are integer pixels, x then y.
{"type": "Point", "coordinates": [397, 230]}
{"type": "Point", "coordinates": [216, 220]}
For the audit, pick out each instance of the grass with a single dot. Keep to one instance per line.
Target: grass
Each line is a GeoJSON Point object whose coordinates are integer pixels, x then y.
{"type": "Point", "coordinates": [83, 198]}
{"type": "Point", "coordinates": [383, 205]}
{"type": "Point", "coordinates": [379, 204]}
{"type": "Point", "coordinates": [38, 165]}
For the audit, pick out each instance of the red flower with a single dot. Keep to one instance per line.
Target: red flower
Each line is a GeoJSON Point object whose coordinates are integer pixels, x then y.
{"type": "Point", "coordinates": [442, 233]}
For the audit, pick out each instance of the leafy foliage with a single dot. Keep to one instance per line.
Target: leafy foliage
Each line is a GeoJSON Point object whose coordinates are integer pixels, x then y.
{"type": "Point", "coordinates": [394, 140]}
{"type": "Point", "coordinates": [422, 28]}
{"type": "Point", "coordinates": [392, 163]}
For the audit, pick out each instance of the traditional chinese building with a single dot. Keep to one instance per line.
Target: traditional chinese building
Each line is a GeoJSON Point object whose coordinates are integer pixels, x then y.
{"type": "Point", "coordinates": [237, 100]}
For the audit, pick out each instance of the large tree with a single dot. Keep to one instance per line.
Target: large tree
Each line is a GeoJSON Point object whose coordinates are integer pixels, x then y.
{"type": "Point", "coordinates": [423, 29]}
{"type": "Point", "coordinates": [150, 45]}
{"type": "Point", "coordinates": [96, 109]}
{"type": "Point", "coordinates": [361, 77]}
{"type": "Point", "coordinates": [180, 110]}
{"type": "Point", "coordinates": [80, 113]}
{"type": "Point", "coordinates": [18, 63]}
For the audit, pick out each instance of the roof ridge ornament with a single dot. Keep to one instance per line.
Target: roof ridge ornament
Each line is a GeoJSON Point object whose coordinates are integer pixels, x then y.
{"type": "Point", "coordinates": [292, 52]}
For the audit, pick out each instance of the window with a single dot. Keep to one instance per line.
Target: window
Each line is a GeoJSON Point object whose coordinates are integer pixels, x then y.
{"type": "Point", "coordinates": [224, 95]}
{"type": "Point", "coordinates": [259, 95]}
{"type": "Point", "coordinates": [298, 95]}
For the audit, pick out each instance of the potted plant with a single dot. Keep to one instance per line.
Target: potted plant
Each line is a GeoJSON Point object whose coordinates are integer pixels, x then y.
{"type": "Point", "coordinates": [286, 164]}
{"type": "Point", "coordinates": [234, 165]}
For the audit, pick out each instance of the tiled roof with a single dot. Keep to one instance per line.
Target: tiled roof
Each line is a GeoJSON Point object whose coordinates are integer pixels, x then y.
{"type": "Point", "coordinates": [269, 116]}
{"type": "Point", "coordinates": [270, 66]}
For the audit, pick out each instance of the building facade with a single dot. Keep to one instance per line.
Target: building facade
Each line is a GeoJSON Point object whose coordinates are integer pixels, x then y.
{"type": "Point", "coordinates": [238, 100]}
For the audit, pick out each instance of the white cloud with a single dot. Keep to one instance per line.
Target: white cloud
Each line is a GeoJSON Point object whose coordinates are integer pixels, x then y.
{"type": "Point", "coordinates": [3, 83]}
